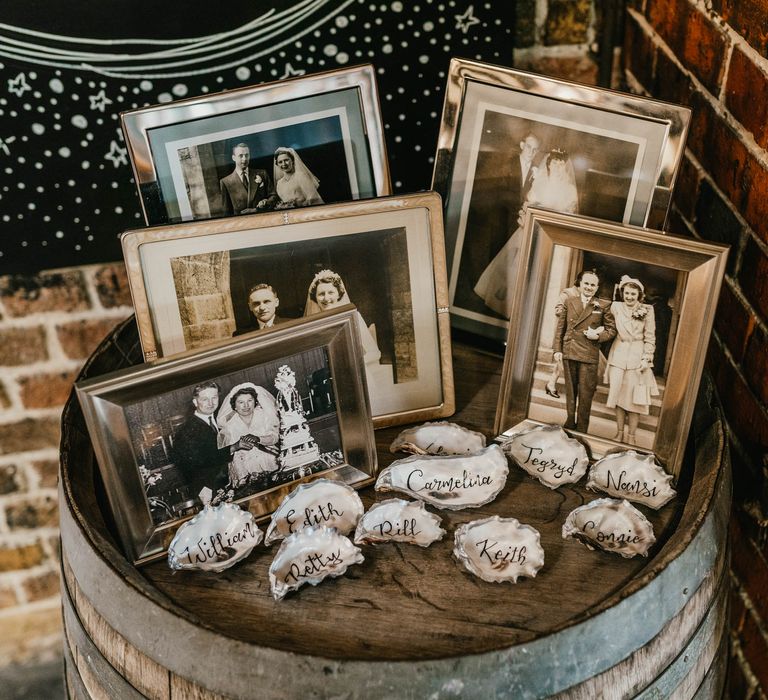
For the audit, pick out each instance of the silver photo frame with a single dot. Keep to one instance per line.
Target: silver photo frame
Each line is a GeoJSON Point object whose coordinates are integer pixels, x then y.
{"type": "Point", "coordinates": [505, 137]}
{"type": "Point", "coordinates": [195, 283]}
{"type": "Point", "coordinates": [156, 451]}
{"type": "Point", "coordinates": [220, 155]}
{"type": "Point", "coordinates": [645, 355]}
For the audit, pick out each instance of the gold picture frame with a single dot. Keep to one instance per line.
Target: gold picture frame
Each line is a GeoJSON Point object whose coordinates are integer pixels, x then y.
{"type": "Point", "coordinates": [680, 280]}
{"type": "Point", "coordinates": [182, 152]}
{"type": "Point", "coordinates": [499, 131]}
{"type": "Point", "coordinates": [135, 415]}
{"type": "Point", "coordinates": [191, 286]}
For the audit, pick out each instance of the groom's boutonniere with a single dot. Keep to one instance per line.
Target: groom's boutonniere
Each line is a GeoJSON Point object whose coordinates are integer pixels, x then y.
{"type": "Point", "coordinates": [597, 306]}
{"type": "Point", "coordinates": [257, 179]}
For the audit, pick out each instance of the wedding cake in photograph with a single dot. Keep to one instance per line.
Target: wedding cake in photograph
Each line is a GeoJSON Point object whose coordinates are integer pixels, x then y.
{"type": "Point", "coordinates": [297, 446]}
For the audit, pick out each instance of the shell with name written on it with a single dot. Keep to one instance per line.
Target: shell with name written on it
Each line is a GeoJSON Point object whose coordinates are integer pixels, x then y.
{"type": "Point", "coordinates": [453, 483]}
{"type": "Point", "coordinates": [499, 549]}
{"type": "Point", "coordinates": [634, 476]}
{"type": "Point", "coordinates": [397, 520]}
{"type": "Point", "coordinates": [310, 556]}
{"type": "Point", "coordinates": [320, 502]}
{"type": "Point", "coordinates": [548, 454]}
{"type": "Point", "coordinates": [215, 539]}
{"type": "Point", "coordinates": [438, 438]}
{"type": "Point", "coordinates": [611, 525]}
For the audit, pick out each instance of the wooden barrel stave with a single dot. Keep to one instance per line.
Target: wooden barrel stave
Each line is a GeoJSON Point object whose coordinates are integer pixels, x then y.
{"type": "Point", "coordinates": [154, 626]}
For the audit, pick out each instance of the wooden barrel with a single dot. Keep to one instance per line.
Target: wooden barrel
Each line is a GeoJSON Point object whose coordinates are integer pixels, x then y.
{"type": "Point", "coordinates": [408, 622]}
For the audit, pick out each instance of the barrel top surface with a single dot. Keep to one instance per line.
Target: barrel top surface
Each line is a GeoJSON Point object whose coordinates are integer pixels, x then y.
{"type": "Point", "coordinates": [405, 602]}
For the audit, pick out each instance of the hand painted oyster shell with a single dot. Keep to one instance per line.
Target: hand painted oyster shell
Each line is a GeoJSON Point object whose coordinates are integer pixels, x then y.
{"type": "Point", "coordinates": [397, 520]}
{"type": "Point", "coordinates": [215, 539]}
{"type": "Point", "coordinates": [636, 477]}
{"type": "Point", "coordinates": [548, 454]}
{"type": "Point", "coordinates": [439, 438]}
{"type": "Point", "coordinates": [309, 556]}
{"type": "Point", "coordinates": [322, 502]}
{"type": "Point", "coordinates": [499, 549]}
{"type": "Point", "coordinates": [611, 525]}
{"type": "Point", "coordinates": [453, 482]}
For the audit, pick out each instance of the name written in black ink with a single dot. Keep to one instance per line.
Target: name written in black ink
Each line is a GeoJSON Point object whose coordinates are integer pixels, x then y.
{"type": "Point", "coordinates": [501, 553]}
{"type": "Point", "coordinates": [543, 465]}
{"type": "Point", "coordinates": [615, 538]}
{"type": "Point", "coordinates": [416, 482]}
{"type": "Point", "coordinates": [637, 487]}
{"type": "Point", "coordinates": [313, 564]}
{"type": "Point", "coordinates": [219, 547]}
{"type": "Point", "coordinates": [398, 528]}
{"type": "Point", "coordinates": [313, 515]}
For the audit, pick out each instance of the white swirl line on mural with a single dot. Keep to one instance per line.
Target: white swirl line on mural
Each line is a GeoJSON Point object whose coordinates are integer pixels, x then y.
{"type": "Point", "coordinates": [258, 31]}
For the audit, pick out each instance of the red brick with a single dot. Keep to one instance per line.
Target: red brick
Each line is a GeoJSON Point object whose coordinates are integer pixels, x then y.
{"type": "Point", "coordinates": [7, 597]}
{"type": "Point", "coordinates": [48, 291]}
{"type": "Point", "coordinates": [567, 22]}
{"type": "Point", "coordinates": [43, 586]}
{"type": "Point", "coordinates": [29, 434]}
{"type": "Point", "coordinates": [739, 687]}
{"type": "Point", "coordinates": [677, 224]}
{"type": "Point", "coordinates": [22, 346]}
{"type": "Point", "coordinates": [702, 118]}
{"type": "Point", "coordinates": [639, 52]}
{"type": "Point", "coordinates": [48, 472]}
{"type": "Point", "coordinates": [5, 401]}
{"type": "Point", "coordinates": [112, 286]}
{"type": "Point", "coordinates": [746, 95]}
{"type": "Point", "coordinates": [581, 69]}
{"type": "Point", "coordinates": [747, 17]}
{"type": "Point", "coordinates": [755, 210]}
{"type": "Point", "coordinates": [753, 277]}
{"type": "Point", "coordinates": [687, 188]}
{"type": "Point", "coordinates": [32, 513]}
{"type": "Point", "coordinates": [756, 364]}
{"type": "Point", "coordinates": [46, 390]}
{"type": "Point", "coordinates": [20, 557]}
{"type": "Point", "coordinates": [737, 610]}
{"type": "Point", "coordinates": [755, 649]}
{"type": "Point", "coordinates": [727, 160]}
{"type": "Point", "coordinates": [693, 37]}
{"type": "Point", "coordinates": [734, 322]}
{"type": "Point", "coordinates": [670, 82]}
{"type": "Point", "coordinates": [750, 568]}
{"type": "Point", "coordinates": [745, 416]}
{"type": "Point", "coordinates": [80, 338]}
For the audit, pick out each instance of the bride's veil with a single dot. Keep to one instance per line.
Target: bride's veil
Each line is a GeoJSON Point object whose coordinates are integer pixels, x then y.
{"type": "Point", "coordinates": [555, 188]}
{"type": "Point", "coordinates": [301, 172]}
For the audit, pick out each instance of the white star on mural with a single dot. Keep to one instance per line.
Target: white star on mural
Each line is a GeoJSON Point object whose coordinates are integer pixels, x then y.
{"type": "Point", "coordinates": [18, 85]}
{"type": "Point", "coordinates": [465, 21]}
{"type": "Point", "coordinates": [4, 144]}
{"type": "Point", "coordinates": [117, 154]}
{"type": "Point", "coordinates": [290, 71]}
{"type": "Point", "coordinates": [99, 101]}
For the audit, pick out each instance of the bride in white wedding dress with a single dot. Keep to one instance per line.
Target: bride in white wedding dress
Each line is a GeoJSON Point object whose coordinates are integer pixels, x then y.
{"type": "Point", "coordinates": [554, 187]}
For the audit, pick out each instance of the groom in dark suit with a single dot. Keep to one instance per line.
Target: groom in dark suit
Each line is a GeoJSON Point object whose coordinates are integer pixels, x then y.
{"type": "Point", "coordinates": [584, 323]}
{"type": "Point", "coordinates": [246, 190]}
{"type": "Point", "coordinates": [196, 452]}
{"type": "Point", "coordinates": [501, 184]}
{"type": "Point", "coordinates": [263, 303]}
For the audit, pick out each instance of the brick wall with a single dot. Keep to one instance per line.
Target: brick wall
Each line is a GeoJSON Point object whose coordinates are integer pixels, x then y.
{"type": "Point", "coordinates": [48, 325]}
{"type": "Point", "coordinates": [711, 56]}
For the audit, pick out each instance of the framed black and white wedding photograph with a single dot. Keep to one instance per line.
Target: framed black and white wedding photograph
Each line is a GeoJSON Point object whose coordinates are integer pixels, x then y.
{"type": "Point", "coordinates": [300, 142]}
{"type": "Point", "coordinates": [197, 283]}
{"type": "Point", "coordinates": [509, 140]}
{"type": "Point", "coordinates": [243, 423]}
{"type": "Point", "coordinates": [608, 333]}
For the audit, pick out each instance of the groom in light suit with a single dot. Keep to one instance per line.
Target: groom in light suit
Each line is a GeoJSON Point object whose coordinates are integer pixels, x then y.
{"type": "Point", "coordinates": [584, 323]}
{"type": "Point", "coordinates": [246, 190]}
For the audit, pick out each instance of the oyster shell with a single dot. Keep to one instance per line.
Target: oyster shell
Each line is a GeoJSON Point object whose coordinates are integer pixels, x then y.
{"type": "Point", "coordinates": [548, 454]}
{"type": "Point", "coordinates": [215, 539]}
{"type": "Point", "coordinates": [499, 549]}
{"type": "Point", "coordinates": [439, 438]}
{"type": "Point", "coordinates": [610, 525]}
{"type": "Point", "coordinates": [320, 502]}
{"type": "Point", "coordinates": [309, 556]}
{"type": "Point", "coordinates": [396, 520]}
{"type": "Point", "coordinates": [636, 477]}
{"type": "Point", "coordinates": [453, 482]}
